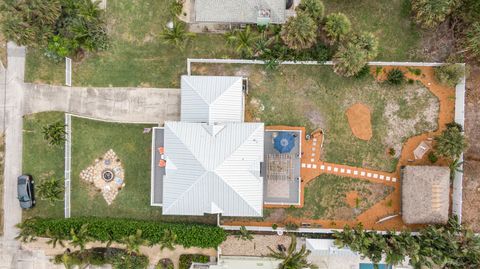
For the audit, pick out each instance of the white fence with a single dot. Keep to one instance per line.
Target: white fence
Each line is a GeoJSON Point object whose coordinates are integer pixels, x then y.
{"type": "Point", "coordinates": [68, 71]}
{"type": "Point", "coordinates": [68, 162]}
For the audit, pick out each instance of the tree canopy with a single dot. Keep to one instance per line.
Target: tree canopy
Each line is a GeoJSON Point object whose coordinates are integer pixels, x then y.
{"type": "Point", "coordinates": [299, 32]}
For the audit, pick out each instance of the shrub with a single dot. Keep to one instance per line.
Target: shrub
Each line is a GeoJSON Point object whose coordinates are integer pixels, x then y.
{"type": "Point", "coordinates": [391, 151]}
{"type": "Point", "coordinates": [321, 53]}
{"type": "Point", "coordinates": [54, 133]}
{"type": "Point", "coordinates": [314, 8]}
{"type": "Point", "coordinates": [291, 226]}
{"type": "Point", "coordinates": [186, 260]}
{"type": "Point", "coordinates": [118, 258]}
{"type": "Point", "coordinates": [177, 36]}
{"type": "Point", "coordinates": [337, 26]}
{"type": "Point", "coordinates": [432, 157]}
{"type": "Point", "coordinates": [50, 190]}
{"type": "Point", "coordinates": [451, 142]}
{"type": "Point", "coordinates": [175, 8]}
{"type": "Point", "coordinates": [415, 71]}
{"type": "Point", "coordinates": [455, 125]}
{"type": "Point", "coordinates": [349, 60]}
{"type": "Point", "coordinates": [472, 40]}
{"type": "Point", "coordinates": [364, 72]}
{"type": "Point", "coordinates": [299, 32]}
{"type": "Point", "coordinates": [274, 226]}
{"type": "Point", "coordinates": [110, 229]}
{"type": "Point", "coordinates": [430, 13]}
{"type": "Point", "coordinates": [395, 76]}
{"type": "Point", "coordinates": [368, 42]}
{"type": "Point", "coordinates": [449, 75]}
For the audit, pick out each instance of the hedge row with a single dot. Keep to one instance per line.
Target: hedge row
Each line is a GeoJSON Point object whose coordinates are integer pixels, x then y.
{"type": "Point", "coordinates": [105, 229]}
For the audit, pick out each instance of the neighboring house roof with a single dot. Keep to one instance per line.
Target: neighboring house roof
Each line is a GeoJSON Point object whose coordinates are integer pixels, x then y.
{"type": "Point", "coordinates": [213, 169]}
{"type": "Point", "coordinates": [238, 11]}
{"type": "Point", "coordinates": [425, 194]}
{"type": "Point", "coordinates": [211, 99]}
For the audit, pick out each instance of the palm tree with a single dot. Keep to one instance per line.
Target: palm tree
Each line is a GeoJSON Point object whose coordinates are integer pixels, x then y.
{"type": "Point", "coordinates": [450, 143]}
{"type": "Point", "coordinates": [314, 8]}
{"type": "Point", "coordinates": [54, 133]}
{"type": "Point", "coordinates": [27, 232]}
{"type": "Point", "coordinates": [55, 238]}
{"type": "Point", "coordinates": [243, 41]}
{"type": "Point", "coordinates": [168, 240]}
{"type": "Point", "coordinates": [293, 259]}
{"type": "Point", "coordinates": [133, 242]}
{"type": "Point", "coordinates": [299, 32]}
{"type": "Point", "coordinates": [244, 234]}
{"type": "Point", "coordinates": [368, 42]}
{"type": "Point", "coordinates": [455, 166]}
{"type": "Point", "coordinates": [177, 36]}
{"type": "Point", "coordinates": [430, 13]}
{"type": "Point", "coordinates": [50, 190]}
{"type": "Point", "coordinates": [349, 60]}
{"type": "Point", "coordinates": [337, 26]}
{"type": "Point", "coordinates": [79, 238]}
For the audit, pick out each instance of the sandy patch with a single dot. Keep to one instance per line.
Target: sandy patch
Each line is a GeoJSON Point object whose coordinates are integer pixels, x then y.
{"type": "Point", "coordinates": [360, 121]}
{"type": "Point", "coordinates": [258, 246]}
{"type": "Point", "coordinates": [352, 198]}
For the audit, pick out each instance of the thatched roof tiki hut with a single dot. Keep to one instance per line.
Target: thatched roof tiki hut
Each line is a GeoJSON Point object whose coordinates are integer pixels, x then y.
{"type": "Point", "coordinates": [425, 194]}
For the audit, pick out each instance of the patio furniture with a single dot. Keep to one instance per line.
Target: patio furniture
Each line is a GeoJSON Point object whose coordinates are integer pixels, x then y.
{"type": "Point", "coordinates": [162, 163]}
{"type": "Point", "coordinates": [284, 142]}
{"type": "Point", "coordinates": [161, 150]}
{"type": "Point", "coordinates": [421, 149]}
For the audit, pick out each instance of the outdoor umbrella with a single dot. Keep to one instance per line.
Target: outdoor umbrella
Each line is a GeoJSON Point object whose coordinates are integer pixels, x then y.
{"type": "Point", "coordinates": [284, 142]}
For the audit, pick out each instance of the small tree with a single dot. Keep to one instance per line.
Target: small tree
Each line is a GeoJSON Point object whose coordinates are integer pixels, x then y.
{"type": "Point", "coordinates": [244, 234]}
{"type": "Point", "coordinates": [54, 133]}
{"type": "Point", "coordinates": [349, 60]}
{"type": "Point", "coordinates": [368, 42]}
{"type": "Point", "coordinates": [50, 190]}
{"type": "Point", "coordinates": [314, 8]}
{"type": "Point", "coordinates": [177, 36]}
{"type": "Point", "coordinates": [133, 242]}
{"type": "Point", "coordinates": [168, 240]}
{"type": "Point", "coordinates": [299, 32]}
{"type": "Point", "coordinates": [29, 22]}
{"type": "Point", "coordinates": [395, 76]}
{"type": "Point", "coordinates": [337, 26]}
{"type": "Point", "coordinates": [451, 143]}
{"type": "Point", "coordinates": [472, 41]}
{"type": "Point", "coordinates": [293, 259]}
{"type": "Point", "coordinates": [430, 13]}
{"type": "Point", "coordinates": [79, 238]}
{"type": "Point", "coordinates": [243, 41]}
{"type": "Point", "coordinates": [449, 74]}
{"type": "Point", "coordinates": [55, 238]}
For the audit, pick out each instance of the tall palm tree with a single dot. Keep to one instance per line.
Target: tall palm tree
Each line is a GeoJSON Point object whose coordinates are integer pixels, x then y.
{"type": "Point", "coordinates": [168, 240]}
{"type": "Point", "coordinates": [50, 190]}
{"type": "Point", "coordinates": [293, 259]}
{"type": "Point", "coordinates": [450, 143]}
{"type": "Point", "coordinates": [133, 242]}
{"type": "Point", "coordinates": [300, 32]}
{"type": "Point", "coordinates": [337, 26]}
{"type": "Point", "coordinates": [177, 36]}
{"type": "Point", "coordinates": [349, 60]}
{"type": "Point", "coordinates": [79, 238]}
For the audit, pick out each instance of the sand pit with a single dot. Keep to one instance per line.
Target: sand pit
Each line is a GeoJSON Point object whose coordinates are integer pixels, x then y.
{"type": "Point", "coordinates": [359, 120]}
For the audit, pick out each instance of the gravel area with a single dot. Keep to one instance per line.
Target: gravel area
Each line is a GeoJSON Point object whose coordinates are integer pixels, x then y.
{"type": "Point", "coordinates": [256, 247]}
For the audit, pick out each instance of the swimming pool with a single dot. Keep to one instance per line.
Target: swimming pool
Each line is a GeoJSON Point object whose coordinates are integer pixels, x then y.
{"type": "Point", "coordinates": [372, 266]}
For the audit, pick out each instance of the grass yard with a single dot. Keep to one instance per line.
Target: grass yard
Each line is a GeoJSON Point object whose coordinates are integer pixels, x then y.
{"type": "Point", "coordinates": [91, 140]}
{"type": "Point", "coordinates": [137, 57]}
{"type": "Point", "coordinates": [42, 160]}
{"type": "Point", "coordinates": [315, 97]}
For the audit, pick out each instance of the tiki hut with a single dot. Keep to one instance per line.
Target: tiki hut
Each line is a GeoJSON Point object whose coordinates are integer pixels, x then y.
{"type": "Point", "coordinates": [425, 194]}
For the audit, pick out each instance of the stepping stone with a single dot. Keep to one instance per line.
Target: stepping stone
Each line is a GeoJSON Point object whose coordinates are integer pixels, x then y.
{"type": "Point", "coordinates": [369, 174]}
{"type": "Point", "coordinates": [349, 171]}
{"type": "Point", "coordinates": [312, 160]}
{"type": "Point", "coordinates": [322, 167]}
{"type": "Point", "coordinates": [382, 176]}
{"type": "Point", "coordinates": [314, 166]}
{"type": "Point", "coordinates": [313, 154]}
{"type": "Point", "coordinates": [375, 175]}
{"type": "Point", "coordinates": [314, 143]}
{"type": "Point", "coordinates": [355, 172]}
{"type": "Point", "coordinates": [313, 148]}
{"type": "Point", "coordinates": [394, 180]}
{"type": "Point", "coordinates": [309, 166]}
{"type": "Point", "coordinates": [362, 173]}
{"type": "Point", "coordinates": [388, 178]}
{"type": "Point", "coordinates": [329, 168]}
{"type": "Point", "coordinates": [342, 170]}
{"type": "Point", "coordinates": [335, 169]}
{"type": "Point", "coordinates": [314, 140]}
{"type": "Point", "coordinates": [303, 165]}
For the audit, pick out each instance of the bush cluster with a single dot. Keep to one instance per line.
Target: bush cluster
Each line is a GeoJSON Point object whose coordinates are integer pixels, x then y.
{"type": "Point", "coordinates": [118, 258]}
{"type": "Point", "coordinates": [449, 75]}
{"type": "Point", "coordinates": [186, 260]}
{"type": "Point", "coordinates": [110, 229]}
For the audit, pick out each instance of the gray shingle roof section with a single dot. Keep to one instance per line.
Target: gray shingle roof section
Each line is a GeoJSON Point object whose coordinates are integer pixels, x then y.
{"type": "Point", "coordinates": [212, 99]}
{"type": "Point", "coordinates": [213, 169]}
{"type": "Point", "coordinates": [425, 194]}
{"type": "Point", "coordinates": [238, 11]}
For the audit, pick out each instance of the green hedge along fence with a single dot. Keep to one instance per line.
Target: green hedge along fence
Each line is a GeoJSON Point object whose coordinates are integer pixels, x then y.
{"type": "Point", "coordinates": [110, 229]}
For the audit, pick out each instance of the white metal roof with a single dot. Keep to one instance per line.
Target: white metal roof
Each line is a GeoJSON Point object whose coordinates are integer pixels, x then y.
{"type": "Point", "coordinates": [213, 169]}
{"type": "Point", "coordinates": [211, 99]}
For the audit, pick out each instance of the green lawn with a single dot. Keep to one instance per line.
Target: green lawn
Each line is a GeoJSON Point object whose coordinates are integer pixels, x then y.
{"type": "Point", "coordinates": [42, 160]}
{"type": "Point", "coordinates": [91, 140]}
{"type": "Point", "coordinates": [315, 97]}
{"type": "Point", "coordinates": [137, 57]}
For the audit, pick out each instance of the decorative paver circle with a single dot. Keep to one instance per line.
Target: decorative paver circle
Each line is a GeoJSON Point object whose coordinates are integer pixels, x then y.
{"type": "Point", "coordinates": [107, 175]}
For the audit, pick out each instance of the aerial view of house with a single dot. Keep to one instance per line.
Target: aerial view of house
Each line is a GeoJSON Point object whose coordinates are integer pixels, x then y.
{"type": "Point", "coordinates": [221, 134]}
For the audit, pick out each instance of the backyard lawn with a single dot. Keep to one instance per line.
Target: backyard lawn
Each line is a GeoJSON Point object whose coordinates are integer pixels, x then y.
{"type": "Point", "coordinates": [315, 97]}
{"type": "Point", "coordinates": [42, 160]}
{"type": "Point", "coordinates": [137, 56]}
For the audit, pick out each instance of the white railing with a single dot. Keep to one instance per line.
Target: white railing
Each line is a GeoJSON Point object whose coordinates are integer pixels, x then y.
{"type": "Point", "coordinates": [68, 162]}
{"type": "Point", "coordinates": [68, 71]}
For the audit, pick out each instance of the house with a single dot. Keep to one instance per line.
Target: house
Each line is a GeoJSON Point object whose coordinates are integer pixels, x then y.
{"type": "Point", "coordinates": [212, 162]}
{"type": "Point", "coordinates": [260, 12]}
{"type": "Point", "coordinates": [425, 194]}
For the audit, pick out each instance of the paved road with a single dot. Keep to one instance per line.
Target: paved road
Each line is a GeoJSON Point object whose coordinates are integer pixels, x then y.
{"type": "Point", "coordinates": [116, 104]}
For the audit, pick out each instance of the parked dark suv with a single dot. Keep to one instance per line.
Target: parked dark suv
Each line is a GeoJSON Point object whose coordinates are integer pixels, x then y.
{"type": "Point", "coordinates": [25, 192]}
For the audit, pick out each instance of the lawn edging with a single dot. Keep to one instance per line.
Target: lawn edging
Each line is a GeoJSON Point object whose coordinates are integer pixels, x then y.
{"type": "Point", "coordinates": [111, 229]}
